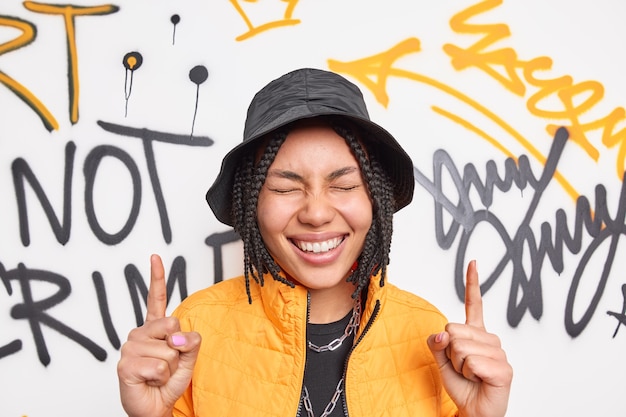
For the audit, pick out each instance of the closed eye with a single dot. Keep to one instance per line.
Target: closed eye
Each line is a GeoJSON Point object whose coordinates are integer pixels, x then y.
{"type": "Point", "coordinates": [345, 179]}
{"type": "Point", "coordinates": [282, 190]}
{"type": "Point", "coordinates": [346, 188]}
{"type": "Point", "coordinates": [283, 181]}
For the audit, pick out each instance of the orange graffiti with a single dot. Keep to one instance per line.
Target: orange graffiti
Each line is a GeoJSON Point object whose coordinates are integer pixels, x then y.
{"type": "Point", "coordinates": [588, 93]}
{"type": "Point", "coordinates": [27, 36]}
{"type": "Point", "coordinates": [253, 30]}
{"type": "Point", "coordinates": [69, 13]}
{"type": "Point", "coordinates": [373, 72]}
{"type": "Point", "coordinates": [475, 55]}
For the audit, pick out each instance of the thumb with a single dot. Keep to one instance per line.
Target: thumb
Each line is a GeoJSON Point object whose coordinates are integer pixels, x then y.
{"type": "Point", "coordinates": [188, 345]}
{"type": "Point", "coordinates": [437, 343]}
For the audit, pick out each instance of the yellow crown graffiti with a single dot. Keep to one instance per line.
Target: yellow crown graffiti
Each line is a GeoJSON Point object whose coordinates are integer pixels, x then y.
{"type": "Point", "coordinates": [250, 9]}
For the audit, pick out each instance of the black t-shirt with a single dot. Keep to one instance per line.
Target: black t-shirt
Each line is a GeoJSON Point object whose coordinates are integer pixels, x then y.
{"type": "Point", "coordinates": [324, 369]}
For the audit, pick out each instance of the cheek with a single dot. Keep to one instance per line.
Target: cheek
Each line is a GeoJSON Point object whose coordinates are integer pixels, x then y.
{"type": "Point", "coordinates": [272, 222]}
{"type": "Point", "coordinates": [358, 214]}
{"type": "Point", "coordinates": [263, 217]}
{"type": "Point", "coordinates": [363, 223]}
{"type": "Point", "coordinates": [270, 216]}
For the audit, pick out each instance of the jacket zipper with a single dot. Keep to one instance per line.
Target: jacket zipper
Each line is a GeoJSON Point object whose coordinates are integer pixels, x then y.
{"type": "Point", "coordinates": [308, 305]}
{"type": "Point", "coordinates": [345, 369]}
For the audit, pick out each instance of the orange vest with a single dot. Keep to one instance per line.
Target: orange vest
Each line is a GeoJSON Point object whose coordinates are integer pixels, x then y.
{"type": "Point", "coordinates": [252, 357]}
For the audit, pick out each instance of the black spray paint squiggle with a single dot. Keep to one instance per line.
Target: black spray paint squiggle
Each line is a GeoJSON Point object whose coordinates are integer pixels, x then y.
{"type": "Point", "coordinates": [526, 290]}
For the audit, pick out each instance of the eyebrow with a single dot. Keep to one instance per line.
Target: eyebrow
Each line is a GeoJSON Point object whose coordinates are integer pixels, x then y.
{"type": "Point", "coordinates": [290, 175]}
{"type": "Point", "coordinates": [341, 172]}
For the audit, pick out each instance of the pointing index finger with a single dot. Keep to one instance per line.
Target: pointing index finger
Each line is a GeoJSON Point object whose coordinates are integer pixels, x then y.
{"type": "Point", "coordinates": [473, 298]}
{"type": "Point", "coordinates": [157, 294]}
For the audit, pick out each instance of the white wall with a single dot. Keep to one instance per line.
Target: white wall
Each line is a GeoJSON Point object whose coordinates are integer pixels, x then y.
{"type": "Point", "coordinates": [65, 305]}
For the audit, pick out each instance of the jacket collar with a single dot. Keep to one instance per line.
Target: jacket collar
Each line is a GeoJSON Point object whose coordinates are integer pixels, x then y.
{"type": "Point", "coordinates": [286, 306]}
{"type": "Point", "coordinates": [374, 301]}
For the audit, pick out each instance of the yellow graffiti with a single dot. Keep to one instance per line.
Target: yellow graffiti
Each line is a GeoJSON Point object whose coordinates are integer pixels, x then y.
{"type": "Point", "coordinates": [576, 98]}
{"type": "Point", "coordinates": [28, 34]}
{"type": "Point", "coordinates": [69, 12]}
{"type": "Point", "coordinates": [253, 30]}
{"type": "Point", "coordinates": [132, 61]}
{"type": "Point", "coordinates": [374, 71]}
{"type": "Point", "coordinates": [475, 55]}
{"type": "Point", "coordinates": [473, 128]}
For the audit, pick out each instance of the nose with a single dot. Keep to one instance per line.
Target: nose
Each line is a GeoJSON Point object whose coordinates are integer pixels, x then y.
{"type": "Point", "coordinates": [316, 211]}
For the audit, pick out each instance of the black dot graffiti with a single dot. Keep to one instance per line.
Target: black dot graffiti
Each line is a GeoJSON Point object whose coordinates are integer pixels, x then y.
{"type": "Point", "coordinates": [132, 61]}
{"type": "Point", "coordinates": [175, 19]}
{"type": "Point", "coordinates": [197, 75]}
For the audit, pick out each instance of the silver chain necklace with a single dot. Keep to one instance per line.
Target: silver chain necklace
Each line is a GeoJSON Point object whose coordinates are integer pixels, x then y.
{"type": "Point", "coordinates": [353, 324]}
{"type": "Point", "coordinates": [329, 407]}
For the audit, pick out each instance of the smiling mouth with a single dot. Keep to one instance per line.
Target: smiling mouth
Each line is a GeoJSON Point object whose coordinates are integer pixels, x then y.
{"type": "Point", "coordinates": [318, 247]}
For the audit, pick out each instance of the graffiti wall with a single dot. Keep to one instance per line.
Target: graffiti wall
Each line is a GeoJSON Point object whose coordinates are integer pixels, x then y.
{"type": "Point", "coordinates": [115, 116]}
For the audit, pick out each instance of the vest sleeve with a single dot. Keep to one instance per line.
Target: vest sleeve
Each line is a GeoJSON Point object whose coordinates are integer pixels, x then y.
{"type": "Point", "coordinates": [448, 407]}
{"type": "Point", "coordinates": [184, 405]}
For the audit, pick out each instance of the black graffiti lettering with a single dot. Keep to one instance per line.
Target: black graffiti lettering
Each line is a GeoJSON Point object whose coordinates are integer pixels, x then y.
{"type": "Point", "coordinates": [526, 286]}
{"type": "Point", "coordinates": [528, 281]}
{"type": "Point", "coordinates": [148, 137]}
{"type": "Point", "coordinates": [524, 240]}
{"type": "Point", "coordinates": [34, 311]}
{"type": "Point", "coordinates": [103, 304]}
{"type": "Point", "coordinates": [573, 242]}
{"type": "Point", "coordinates": [621, 317]}
{"type": "Point", "coordinates": [15, 345]}
{"type": "Point", "coordinates": [216, 241]}
{"type": "Point", "coordinates": [612, 231]}
{"type": "Point", "coordinates": [22, 173]}
{"type": "Point", "coordinates": [138, 289]}
{"type": "Point", "coordinates": [10, 348]}
{"type": "Point", "coordinates": [90, 169]}
{"type": "Point", "coordinates": [462, 212]}
{"type": "Point", "coordinates": [465, 215]}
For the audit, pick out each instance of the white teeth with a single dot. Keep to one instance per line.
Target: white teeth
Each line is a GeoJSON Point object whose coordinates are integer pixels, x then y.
{"type": "Point", "coordinates": [318, 247]}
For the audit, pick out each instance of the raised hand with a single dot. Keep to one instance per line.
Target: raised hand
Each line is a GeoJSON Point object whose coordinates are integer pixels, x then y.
{"type": "Point", "coordinates": [473, 366]}
{"type": "Point", "coordinates": [157, 361]}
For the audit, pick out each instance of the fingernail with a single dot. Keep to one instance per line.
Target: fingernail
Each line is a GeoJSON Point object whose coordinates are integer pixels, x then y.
{"type": "Point", "coordinates": [178, 340]}
{"type": "Point", "coordinates": [439, 337]}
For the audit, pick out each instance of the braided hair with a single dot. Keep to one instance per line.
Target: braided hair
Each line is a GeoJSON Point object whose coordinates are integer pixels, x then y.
{"type": "Point", "coordinates": [250, 177]}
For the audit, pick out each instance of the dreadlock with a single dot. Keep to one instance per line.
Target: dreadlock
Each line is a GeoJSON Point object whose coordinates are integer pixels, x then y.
{"type": "Point", "coordinates": [250, 177]}
{"type": "Point", "coordinates": [374, 257]}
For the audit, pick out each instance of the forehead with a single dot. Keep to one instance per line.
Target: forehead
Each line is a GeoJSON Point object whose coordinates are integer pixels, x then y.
{"type": "Point", "coordinates": [310, 141]}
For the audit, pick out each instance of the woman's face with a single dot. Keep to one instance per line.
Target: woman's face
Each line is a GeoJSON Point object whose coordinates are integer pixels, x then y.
{"type": "Point", "coordinates": [314, 209]}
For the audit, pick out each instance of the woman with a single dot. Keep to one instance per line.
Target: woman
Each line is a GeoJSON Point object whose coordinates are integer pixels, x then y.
{"type": "Point", "coordinates": [312, 328]}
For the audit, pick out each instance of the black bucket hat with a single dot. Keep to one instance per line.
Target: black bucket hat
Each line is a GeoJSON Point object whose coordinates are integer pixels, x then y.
{"type": "Point", "coordinates": [302, 94]}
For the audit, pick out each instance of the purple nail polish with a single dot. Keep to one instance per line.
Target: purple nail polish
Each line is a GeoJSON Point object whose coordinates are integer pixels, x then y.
{"type": "Point", "coordinates": [178, 340]}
